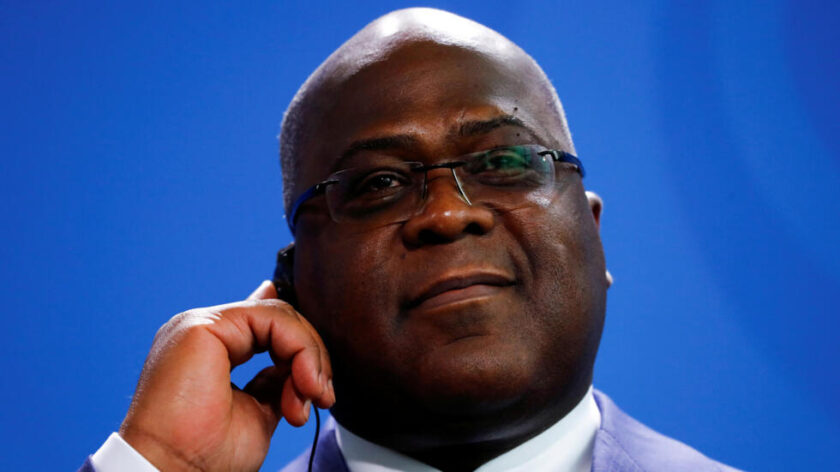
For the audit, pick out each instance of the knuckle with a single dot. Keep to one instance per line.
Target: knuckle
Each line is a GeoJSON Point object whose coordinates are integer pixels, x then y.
{"type": "Point", "coordinates": [273, 303]}
{"type": "Point", "coordinates": [273, 308]}
{"type": "Point", "coordinates": [169, 327]}
{"type": "Point", "coordinates": [187, 321]}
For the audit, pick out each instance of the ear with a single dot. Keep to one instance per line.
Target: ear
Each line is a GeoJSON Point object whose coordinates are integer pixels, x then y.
{"type": "Point", "coordinates": [595, 205]}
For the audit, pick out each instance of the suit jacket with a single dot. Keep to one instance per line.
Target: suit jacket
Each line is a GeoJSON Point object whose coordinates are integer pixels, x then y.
{"type": "Point", "coordinates": [622, 444]}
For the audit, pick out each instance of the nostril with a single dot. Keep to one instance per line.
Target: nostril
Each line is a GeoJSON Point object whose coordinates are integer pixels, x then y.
{"type": "Point", "coordinates": [475, 229]}
{"type": "Point", "coordinates": [442, 236]}
{"type": "Point", "coordinates": [427, 236]}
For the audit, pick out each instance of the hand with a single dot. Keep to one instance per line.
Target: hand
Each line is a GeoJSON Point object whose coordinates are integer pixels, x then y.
{"type": "Point", "coordinates": [187, 415]}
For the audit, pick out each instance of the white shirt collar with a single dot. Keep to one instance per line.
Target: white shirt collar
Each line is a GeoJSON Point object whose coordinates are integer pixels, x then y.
{"type": "Point", "coordinates": [564, 447]}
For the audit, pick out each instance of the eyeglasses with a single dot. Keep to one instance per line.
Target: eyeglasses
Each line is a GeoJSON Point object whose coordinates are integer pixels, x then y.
{"type": "Point", "coordinates": [389, 191]}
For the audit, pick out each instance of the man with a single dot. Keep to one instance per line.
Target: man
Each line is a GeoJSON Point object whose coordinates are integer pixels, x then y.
{"type": "Point", "coordinates": [449, 282]}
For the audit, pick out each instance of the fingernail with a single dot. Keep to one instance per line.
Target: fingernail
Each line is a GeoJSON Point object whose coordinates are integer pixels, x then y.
{"type": "Point", "coordinates": [307, 405]}
{"type": "Point", "coordinates": [322, 382]}
{"type": "Point", "coordinates": [332, 390]}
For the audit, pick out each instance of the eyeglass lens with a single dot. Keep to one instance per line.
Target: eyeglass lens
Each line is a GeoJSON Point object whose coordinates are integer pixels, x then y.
{"type": "Point", "coordinates": [380, 193]}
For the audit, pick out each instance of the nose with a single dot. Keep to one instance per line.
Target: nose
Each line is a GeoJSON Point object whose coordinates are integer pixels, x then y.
{"type": "Point", "coordinates": [447, 214]}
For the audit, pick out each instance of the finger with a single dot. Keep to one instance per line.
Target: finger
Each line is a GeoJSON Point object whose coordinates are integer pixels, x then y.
{"type": "Point", "coordinates": [265, 291]}
{"type": "Point", "coordinates": [328, 398]}
{"type": "Point", "coordinates": [256, 325]}
{"type": "Point", "coordinates": [267, 388]}
{"type": "Point", "coordinates": [295, 407]}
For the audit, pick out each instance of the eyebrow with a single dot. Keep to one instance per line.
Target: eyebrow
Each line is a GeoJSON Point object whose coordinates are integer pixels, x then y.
{"type": "Point", "coordinates": [397, 141]}
{"type": "Point", "coordinates": [478, 127]}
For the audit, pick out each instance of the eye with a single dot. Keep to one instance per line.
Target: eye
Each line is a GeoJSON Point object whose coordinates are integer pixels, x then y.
{"type": "Point", "coordinates": [508, 166]}
{"type": "Point", "coordinates": [504, 159]}
{"type": "Point", "coordinates": [362, 192]}
{"type": "Point", "coordinates": [378, 184]}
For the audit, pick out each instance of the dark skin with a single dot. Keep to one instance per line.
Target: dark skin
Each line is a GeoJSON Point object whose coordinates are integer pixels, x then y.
{"type": "Point", "coordinates": [476, 377]}
{"type": "Point", "coordinates": [453, 379]}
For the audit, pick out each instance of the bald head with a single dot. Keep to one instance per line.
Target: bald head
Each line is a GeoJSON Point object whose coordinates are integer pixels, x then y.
{"type": "Point", "coordinates": [404, 35]}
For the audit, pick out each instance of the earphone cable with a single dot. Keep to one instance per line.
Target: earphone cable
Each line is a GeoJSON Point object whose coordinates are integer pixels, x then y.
{"type": "Point", "coordinates": [314, 441]}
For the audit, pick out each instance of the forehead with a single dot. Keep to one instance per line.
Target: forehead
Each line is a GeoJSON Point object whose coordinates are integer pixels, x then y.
{"type": "Point", "coordinates": [425, 90]}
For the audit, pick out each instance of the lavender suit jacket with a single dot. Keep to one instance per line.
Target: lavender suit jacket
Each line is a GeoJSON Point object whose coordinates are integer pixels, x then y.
{"type": "Point", "coordinates": [622, 444]}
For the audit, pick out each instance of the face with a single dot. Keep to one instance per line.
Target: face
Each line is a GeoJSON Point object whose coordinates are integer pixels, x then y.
{"type": "Point", "coordinates": [460, 310]}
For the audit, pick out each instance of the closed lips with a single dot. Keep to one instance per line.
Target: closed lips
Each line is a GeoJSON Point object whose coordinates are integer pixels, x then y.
{"type": "Point", "coordinates": [473, 282]}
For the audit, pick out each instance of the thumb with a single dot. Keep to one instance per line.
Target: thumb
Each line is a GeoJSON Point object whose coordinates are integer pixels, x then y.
{"type": "Point", "coordinates": [265, 291]}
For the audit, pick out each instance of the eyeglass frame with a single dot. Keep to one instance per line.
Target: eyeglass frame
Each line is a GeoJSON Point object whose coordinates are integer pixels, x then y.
{"type": "Point", "coordinates": [321, 187]}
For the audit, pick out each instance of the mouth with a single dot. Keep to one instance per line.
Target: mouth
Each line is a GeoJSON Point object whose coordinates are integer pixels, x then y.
{"type": "Point", "coordinates": [455, 288]}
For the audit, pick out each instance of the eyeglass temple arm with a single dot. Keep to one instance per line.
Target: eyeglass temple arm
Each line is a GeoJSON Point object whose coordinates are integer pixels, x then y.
{"type": "Point", "coordinates": [313, 191]}
{"type": "Point", "coordinates": [563, 156]}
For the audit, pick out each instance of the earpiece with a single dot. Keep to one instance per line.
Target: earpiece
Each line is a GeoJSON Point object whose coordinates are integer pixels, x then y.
{"type": "Point", "coordinates": [284, 275]}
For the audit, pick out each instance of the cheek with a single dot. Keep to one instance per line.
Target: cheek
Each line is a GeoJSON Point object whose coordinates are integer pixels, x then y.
{"type": "Point", "coordinates": [562, 261]}
{"type": "Point", "coordinates": [344, 290]}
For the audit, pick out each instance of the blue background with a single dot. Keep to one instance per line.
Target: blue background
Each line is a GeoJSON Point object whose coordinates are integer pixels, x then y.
{"type": "Point", "coordinates": [140, 178]}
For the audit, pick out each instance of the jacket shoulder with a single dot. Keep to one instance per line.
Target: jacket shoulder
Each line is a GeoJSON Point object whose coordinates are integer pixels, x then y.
{"type": "Point", "coordinates": [624, 444]}
{"type": "Point", "coordinates": [87, 466]}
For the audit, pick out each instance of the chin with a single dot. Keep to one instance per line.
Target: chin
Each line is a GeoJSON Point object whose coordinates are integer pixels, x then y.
{"type": "Point", "coordinates": [474, 374]}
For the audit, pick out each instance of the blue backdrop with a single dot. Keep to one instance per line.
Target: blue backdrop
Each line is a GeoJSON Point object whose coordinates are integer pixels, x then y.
{"type": "Point", "coordinates": [139, 158]}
